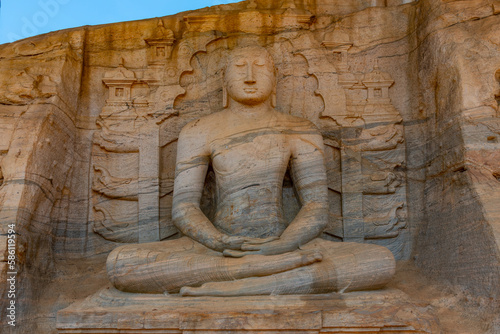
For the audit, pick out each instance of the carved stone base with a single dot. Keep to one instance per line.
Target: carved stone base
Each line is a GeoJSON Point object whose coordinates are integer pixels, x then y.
{"type": "Point", "coordinates": [113, 311]}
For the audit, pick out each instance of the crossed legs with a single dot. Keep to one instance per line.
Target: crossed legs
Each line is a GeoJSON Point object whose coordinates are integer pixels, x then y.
{"type": "Point", "coordinates": [184, 265]}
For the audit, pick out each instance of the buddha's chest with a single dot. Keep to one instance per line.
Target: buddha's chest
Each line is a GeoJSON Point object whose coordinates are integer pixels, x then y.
{"type": "Point", "coordinates": [250, 153]}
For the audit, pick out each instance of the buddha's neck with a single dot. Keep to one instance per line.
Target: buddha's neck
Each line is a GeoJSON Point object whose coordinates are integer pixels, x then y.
{"type": "Point", "coordinates": [246, 110]}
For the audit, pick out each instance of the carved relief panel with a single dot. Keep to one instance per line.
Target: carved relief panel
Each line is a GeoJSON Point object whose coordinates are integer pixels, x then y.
{"type": "Point", "coordinates": [125, 158]}
{"type": "Point", "coordinates": [115, 178]}
{"type": "Point", "coordinates": [370, 139]}
{"type": "Point", "coordinates": [135, 146]}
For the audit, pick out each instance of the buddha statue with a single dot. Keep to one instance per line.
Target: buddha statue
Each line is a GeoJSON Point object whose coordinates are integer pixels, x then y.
{"type": "Point", "coordinates": [248, 248]}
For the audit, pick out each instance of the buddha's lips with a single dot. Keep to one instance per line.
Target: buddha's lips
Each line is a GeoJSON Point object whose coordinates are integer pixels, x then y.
{"type": "Point", "coordinates": [250, 90]}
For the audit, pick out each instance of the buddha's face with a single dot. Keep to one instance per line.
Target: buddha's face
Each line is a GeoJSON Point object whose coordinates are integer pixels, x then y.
{"type": "Point", "coordinates": [249, 76]}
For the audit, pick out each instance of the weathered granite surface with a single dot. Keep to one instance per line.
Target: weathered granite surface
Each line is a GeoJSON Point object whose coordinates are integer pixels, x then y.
{"type": "Point", "coordinates": [244, 245]}
{"type": "Point", "coordinates": [387, 311]}
{"type": "Point", "coordinates": [405, 94]}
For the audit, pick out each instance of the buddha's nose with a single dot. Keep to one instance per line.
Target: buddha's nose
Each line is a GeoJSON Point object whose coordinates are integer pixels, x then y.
{"type": "Point", "coordinates": [249, 79]}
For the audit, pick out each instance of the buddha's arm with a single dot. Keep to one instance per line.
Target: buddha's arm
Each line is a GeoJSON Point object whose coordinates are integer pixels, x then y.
{"type": "Point", "coordinates": [193, 158]}
{"type": "Point", "coordinates": [309, 177]}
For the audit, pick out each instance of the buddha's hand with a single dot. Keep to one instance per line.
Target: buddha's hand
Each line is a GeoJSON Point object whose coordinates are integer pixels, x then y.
{"type": "Point", "coordinates": [236, 242]}
{"type": "Point", "coordinates": [271, 247]}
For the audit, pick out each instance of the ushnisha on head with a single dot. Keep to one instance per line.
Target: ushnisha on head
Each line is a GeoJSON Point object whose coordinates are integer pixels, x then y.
{"type": "Point", "coordinates": [249, 77]}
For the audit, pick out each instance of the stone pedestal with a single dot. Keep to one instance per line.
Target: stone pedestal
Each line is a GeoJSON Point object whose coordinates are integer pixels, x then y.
{"type": "Point", "coordinates": [113, 311]}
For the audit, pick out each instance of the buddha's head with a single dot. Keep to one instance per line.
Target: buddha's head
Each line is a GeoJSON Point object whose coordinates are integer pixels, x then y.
{"type": "Point", "coordinates": [249, 77]}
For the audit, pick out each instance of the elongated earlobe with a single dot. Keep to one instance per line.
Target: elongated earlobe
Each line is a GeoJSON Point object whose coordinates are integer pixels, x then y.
{"type": "Point", "coordinates": [273, 94]}
{"type": "Point", "coordinates": [225, 101]}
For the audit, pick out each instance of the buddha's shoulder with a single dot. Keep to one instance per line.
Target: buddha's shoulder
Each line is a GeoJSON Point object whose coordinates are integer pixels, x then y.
{"type": "Point", "coordinates": [294, 124]}
{"type": "Point", "coordinates": [203, 125]}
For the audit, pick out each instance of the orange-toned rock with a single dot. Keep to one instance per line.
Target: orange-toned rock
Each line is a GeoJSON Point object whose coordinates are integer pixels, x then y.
{"type": "Point", "coordinates": [249, 248]}
{"type": "Point", "coordinates": [405, 95]}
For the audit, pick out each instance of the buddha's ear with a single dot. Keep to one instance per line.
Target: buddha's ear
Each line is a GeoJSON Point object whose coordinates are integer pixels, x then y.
{"type": "Point", "coordinates": [273, 94]}
{"type": "Point", "coordinates": [225, 100]}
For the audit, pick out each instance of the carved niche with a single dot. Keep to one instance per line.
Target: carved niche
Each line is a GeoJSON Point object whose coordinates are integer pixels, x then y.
{"type": "Point", "coordinates": [135, 146]}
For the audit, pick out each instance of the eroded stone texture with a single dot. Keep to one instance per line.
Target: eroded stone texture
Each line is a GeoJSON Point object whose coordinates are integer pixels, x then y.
{"type": "Point", "coordinates": [248, 247]}
{"type": "Point", "coordinates": [359, 312]}
{"type": "Point", "coordinates": [39, 97]}
{"type": "Point", "coordinates": [459, 160]}
{"type": "Point", "coordinates": [405, 95]}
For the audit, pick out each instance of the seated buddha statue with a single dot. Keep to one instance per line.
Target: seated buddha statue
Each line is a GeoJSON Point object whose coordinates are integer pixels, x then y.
{"type": "Point", "coordinates": [248, 247]}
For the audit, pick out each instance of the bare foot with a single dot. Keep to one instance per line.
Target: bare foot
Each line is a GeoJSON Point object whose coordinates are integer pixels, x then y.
{"type": "Point", "coordinates": [256, 273]}
{"type": "Point", "coordinates": [297, 281]}
{"type": "Point", "coordinates": [263, 265]}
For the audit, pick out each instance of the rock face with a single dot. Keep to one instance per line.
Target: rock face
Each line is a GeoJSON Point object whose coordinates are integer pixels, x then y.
{"type": "Point", "coordinates": [405, 95]}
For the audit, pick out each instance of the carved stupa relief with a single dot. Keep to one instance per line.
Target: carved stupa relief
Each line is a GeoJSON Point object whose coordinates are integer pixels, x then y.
{"type": "Point", "coordinates": [160, 45]}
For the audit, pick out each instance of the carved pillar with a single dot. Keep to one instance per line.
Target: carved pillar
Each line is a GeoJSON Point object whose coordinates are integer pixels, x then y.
{"type": "Point", "coordinates": [339, 43]}
{"type": "Point", "coordinates": [352, 194]}
{"type": "Point", "coordinates": [149, 185]}
{"type": "Point", "coordinates": [160, 52]}
{"type": "Point", "coordinates": [114, 159]}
